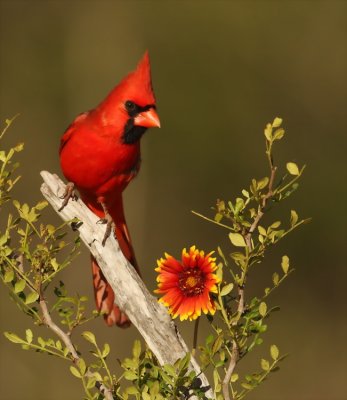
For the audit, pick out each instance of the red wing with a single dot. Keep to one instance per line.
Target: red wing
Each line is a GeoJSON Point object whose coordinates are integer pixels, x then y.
{"type": "Point", "coordinates": [71, 129]}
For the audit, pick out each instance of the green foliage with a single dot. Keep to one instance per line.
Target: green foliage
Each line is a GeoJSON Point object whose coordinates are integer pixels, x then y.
{"type": "Point", "coordinates": [32, 254]}
{"type": "Point", "coordinates": [239, 324]}
{"type": "Point", "coordinates": [154, 382]}
{"type": "Point", "coordinates": [48, 346]}
{"type": "Point", "coordinates": [71, 309]}
{"type": "Point", "coordinates": [8, 167]}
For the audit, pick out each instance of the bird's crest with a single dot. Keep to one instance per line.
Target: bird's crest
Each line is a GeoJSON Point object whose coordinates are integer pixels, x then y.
{"type": "Point", "coordinates": [136, 86]}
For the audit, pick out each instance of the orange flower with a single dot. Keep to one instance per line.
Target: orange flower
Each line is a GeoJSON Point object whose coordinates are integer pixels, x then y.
{"type": "Point", "coordinates": [186, 285]}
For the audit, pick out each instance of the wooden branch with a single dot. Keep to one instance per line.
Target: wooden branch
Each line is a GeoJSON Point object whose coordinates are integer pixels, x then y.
{"type": "Point", "coordinates": [149, 317]}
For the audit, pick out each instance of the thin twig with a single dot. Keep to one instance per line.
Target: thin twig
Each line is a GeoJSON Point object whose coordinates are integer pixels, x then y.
{"type": "Point", "coordinates": [233, 360]}
{"type": "Point", "coordinates": [58, 331]}
{"type": "Point", "coordinates": [8, 123]}
{"type": "Point", "coordinates": [212, 220]}
{"type": "Point", "coordinates": [260, 214]}
{"type": "Point", "coordinates": [47, 320]}
{"type": "Point", "coordinates": [235, 353]}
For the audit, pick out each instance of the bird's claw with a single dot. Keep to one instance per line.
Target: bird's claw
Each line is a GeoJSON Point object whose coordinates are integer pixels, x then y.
{"type": "Point", "coordinates": [69, 193]}
{"type": "Point", "coordinates": [109, 226]}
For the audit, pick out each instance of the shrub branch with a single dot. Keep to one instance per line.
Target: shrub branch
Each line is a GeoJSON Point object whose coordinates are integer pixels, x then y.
{"type": "Point", "coordinates": [66, 339]}
{"type": "Point", "coordinates": [235, 352]}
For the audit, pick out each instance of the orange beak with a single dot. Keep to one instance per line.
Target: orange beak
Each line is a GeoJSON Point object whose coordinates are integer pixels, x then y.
{"type": "Point", "coordinates": [148, 119]}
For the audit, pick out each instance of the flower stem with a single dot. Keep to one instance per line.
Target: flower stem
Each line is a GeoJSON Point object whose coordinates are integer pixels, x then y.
{"type": "Point", "coordinates": [195, 339]}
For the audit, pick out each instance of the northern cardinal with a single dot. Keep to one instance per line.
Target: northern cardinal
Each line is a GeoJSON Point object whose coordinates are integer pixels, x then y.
{"type": "Point", "coordinates": [100, 155]}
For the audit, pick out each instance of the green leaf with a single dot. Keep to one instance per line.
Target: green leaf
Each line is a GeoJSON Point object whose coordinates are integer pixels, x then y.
{"type": "Point", "coordinates": [19, 286]}
{"type": "Point", "coordinates": [262, 230]}
{"type": "Point", "coordinates": [4, 239]}
{"type": "Point", "coordinates": [130, 376]}
{"type": "Point", "coordinates": [31, 297]}
{"type": "Point", "coordinates": [285, 264]}
{"type": "Point", "coordinates": [265, 365]}
{"type": "Point", "coordinates": [239, 205]}
{"type": "Point", "coordinates": [129, 363]}
{"type": "Point", "coordinates": [91, 382]}
{"type": "Point", "coordinates": [155, 389]}
{"type": "Point", "coordinates": [97, 376]}
{"type": "Point", "coordinates": [245, 193]}
{"type": "Point", "coordinates": [293, 217]}
{"type": "Point", "coordinates": [217, 344]}
{"type": "Point", "coordinates": [54, 264]}
{"type": "Point", "coordinates": [12, 337]}
{"type": "Point", "coordinates": [29, 335]}
{"type": "Point", "coordinates": [75, 372]}
{"type": "Point", "coordinates": [106, 350]}
{"type": "Point", "coordinates": [131, 390]}
{"type": "Point", "coordinates": [137, 349]}
{"type": "Point", "coordinates": [19, 147]}
{"type": "Point", "coordinates": [218, 217]}
{"type": "Point", "coordinates": [293, 168]}
{"type": "Point", "coordinates": [262, 183]}
{"type": "Point", "coordinates": [227, 289]}
{"type": "Point", "coordinates": [262, 309]}
{"type": "Point", "coordinates": [234, 378]}
{"type": "Point", "coordinates": [89, 336]}
{"type": "Point", "coordinates": [268, 132]}
{"type": "Point", "coordinates": [9, 276]}
{"type": "Point", "coordinates": [82, 366]}
{"type": "Point", "coordinates": [41, 205]}
{"type": "Point", "coordinates": [216, 378]}
{"type": "Point", "coordinates": [246, 386]}
{"type": "Point", "coordinates": [16, 204]}
{"type": "Point", "coordinates": [219, 272]}
{"type": "Point", "coordinates": [169, 369]}
{"type": "Point", "coordinates": [209, 339]}
{"type": "Point", "coordinates": [166, 377]}
{"type": "Point", "coordinates": [183, 363]}
{"type": "Point", "coordinates": [277, 122]}
{"type": "Point", "coordinates": [275, 225]}
{"type": "Point", "coordinates": [237, 239]}
{"type": "Point", "coordinates": [278, 134]}
{"type": "Point", "coordinates": [145, 396]}
{"type": "Point", "coordinates": [238, 257]}
{"type": "Point", "coordinates": [274, 352]}
{"type": "Point", "coordinates": [275, 278]}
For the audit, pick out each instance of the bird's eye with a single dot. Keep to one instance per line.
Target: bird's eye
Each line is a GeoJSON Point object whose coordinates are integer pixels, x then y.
{"type": "Point", "coordinates": [130, 106]}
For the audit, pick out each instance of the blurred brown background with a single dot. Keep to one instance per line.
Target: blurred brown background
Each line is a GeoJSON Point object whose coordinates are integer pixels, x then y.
{"type": "Point", "coordinates": [221, 70]}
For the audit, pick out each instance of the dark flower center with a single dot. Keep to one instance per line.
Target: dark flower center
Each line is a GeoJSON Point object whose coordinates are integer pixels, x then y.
{"type": "Point", "coordinates": [191, 282]}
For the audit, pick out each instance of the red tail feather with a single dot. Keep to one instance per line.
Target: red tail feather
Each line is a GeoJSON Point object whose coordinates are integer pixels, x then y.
{"type": "Point", "coordinates": [104, 295]}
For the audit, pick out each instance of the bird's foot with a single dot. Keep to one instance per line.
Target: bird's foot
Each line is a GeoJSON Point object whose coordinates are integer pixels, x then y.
{"type": "Point", "coordinates": [69, 193]}
{"type": "Point", "coordinates": [110, 225]}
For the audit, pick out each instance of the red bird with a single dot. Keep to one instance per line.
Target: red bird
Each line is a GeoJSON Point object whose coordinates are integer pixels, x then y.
{"type": "Point", "coordinates": [100, 155]}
